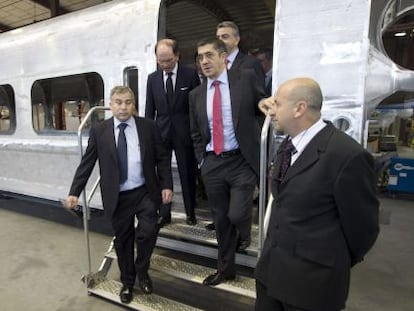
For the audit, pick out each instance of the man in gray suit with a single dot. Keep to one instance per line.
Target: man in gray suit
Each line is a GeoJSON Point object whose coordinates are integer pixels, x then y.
{"type": "Point", "coordinates": [135, 179]}
{"type": "Point", "coordinates": [226, 135]}
{"type": "Point", "coordinates": [324, 216]}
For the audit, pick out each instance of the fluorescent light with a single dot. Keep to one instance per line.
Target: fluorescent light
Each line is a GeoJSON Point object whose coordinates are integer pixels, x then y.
{"type": "Point", "coordinates": [400, 34]}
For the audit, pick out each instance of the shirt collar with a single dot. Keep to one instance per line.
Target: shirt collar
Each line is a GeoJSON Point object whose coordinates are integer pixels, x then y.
{"type": "Point", "coordinates": [301, 140]}
{"type": "Point", "coordinates": [223, 78]}
{"type": "Point", "coordinates": [130, 122]}
{"type": "Point", "coordinates": [174, 71]}
{"type": "Point", "coordinates": [232, 56]}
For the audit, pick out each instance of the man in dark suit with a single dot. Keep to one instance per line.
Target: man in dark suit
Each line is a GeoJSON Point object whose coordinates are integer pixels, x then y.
{"type": "Point", "coordinates": [265, 56]}
{"type": "Point", "coordinates": [134, 167]}
{"type": "Point", "coordinates": [229, 33]}
{"type": "Point", "coordinates": [169, 108]}
{"type": "Point", "coordinates": [225, 133]}
{"type": "Point", "coordinates": [324, 216]}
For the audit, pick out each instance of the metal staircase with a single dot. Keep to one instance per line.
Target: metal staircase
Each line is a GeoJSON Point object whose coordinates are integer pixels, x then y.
{"type": "Point", "coordinates": [177, 237]}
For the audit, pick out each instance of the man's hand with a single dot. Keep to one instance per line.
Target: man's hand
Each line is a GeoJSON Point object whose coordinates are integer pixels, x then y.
{"type": "Point", "coordinates": [266, 104]}
{"type": "Point", "coordinates": [71, 202]}
{"type": "Point", "coordinates": [167, 196]}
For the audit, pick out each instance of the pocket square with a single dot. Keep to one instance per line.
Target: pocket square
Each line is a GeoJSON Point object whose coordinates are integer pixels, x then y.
{"type": "Point", "coordinates": [185, 88]}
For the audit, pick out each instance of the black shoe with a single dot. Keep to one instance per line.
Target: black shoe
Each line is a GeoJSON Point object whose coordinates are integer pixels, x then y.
{"type": "Point", "coordinates": [191, 221]}
{"type": "Point", "coordinates": [163, 221]}
{"type": "Point", "coordinates": [145, 284]}
{"type": "Point", "coordinates": [210, 227]}
{"type": "Point", "coordinates": [125, 294]}
{"type": "Point", "coordinates": [242, 245]}
{"type": "Point", "coordinates": [217, 278]}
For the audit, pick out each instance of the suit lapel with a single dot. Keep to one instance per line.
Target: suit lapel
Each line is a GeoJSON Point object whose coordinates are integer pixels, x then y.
{"type": "Point", "coordinates": [312, 152]}
{"type": "Point", "coordinates": [202, 108]}
{"type": "Point", "coordinates": [108, 131]}
{"type": "Point", "coordinates": [235, 94]}
{"type": "Point", "coordinates": [161, 87]}
{"type": "Point", "coordinates": [141, 138]}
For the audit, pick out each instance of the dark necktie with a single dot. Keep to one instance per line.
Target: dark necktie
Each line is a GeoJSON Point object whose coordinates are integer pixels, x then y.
{"type": "Point", "coordinates": [218, 140]}
{"type": "Point", "coordinates": [170, 89]}
{"type": "Point", "coordinates": [287, 156]}
{"type": "Point", "coordinates": [122, 153]}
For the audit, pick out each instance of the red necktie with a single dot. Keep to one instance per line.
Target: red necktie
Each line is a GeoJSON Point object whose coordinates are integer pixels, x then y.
{"type": "Point", "coordinates": [218, 139]}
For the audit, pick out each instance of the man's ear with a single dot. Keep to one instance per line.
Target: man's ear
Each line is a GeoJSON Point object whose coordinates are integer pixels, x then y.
{"type": "Point", "coordinates": [300, 108]}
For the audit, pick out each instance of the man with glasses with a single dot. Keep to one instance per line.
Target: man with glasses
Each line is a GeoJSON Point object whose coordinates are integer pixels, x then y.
{"type": "Point", "coordinates": [226, 135]}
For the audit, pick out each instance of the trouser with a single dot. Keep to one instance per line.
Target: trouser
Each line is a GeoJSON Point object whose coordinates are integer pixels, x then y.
{"type": "Point", "coordinates": [134, 203]}
{"type": "Point", "coordinates": [229, 183]}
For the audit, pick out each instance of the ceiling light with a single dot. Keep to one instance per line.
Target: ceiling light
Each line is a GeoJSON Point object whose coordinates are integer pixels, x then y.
{"type": "Point", "coordinates": [400, 34]}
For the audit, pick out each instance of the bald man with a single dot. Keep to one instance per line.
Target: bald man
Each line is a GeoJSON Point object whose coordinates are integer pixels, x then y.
{"type": "Point", "coordinates": [324, 216]}
{"type": "Point", "coordinates": [171, 113]}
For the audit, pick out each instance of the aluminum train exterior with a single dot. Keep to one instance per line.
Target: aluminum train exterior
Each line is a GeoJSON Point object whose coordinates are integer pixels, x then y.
{"type": "Point", "coordinates": [53, 72]}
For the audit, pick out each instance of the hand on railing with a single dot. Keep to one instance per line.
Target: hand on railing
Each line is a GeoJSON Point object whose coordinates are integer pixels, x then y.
{"type": "Point", "coordinates": [71, 205]}
{"type": "Point", "coordinates": [266, 104]}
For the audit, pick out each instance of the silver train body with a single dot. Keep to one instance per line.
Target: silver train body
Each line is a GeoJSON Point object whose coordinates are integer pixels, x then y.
{"type": "Point", "coordinates": [335, 42]}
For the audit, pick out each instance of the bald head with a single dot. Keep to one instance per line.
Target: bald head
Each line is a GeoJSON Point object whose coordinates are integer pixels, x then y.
{"type": "Point", "coordinates": [297, 105]}
{"type": "Point", "coordinates": [304, 89]}
{"type": "Point", "coordinates": [167, 54]}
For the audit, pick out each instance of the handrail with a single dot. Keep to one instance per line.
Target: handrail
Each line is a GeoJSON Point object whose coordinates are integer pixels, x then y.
{"type": "Point", "coordinates": [85, 202]}
{"type": "Point", "coordinates": [263, 183]}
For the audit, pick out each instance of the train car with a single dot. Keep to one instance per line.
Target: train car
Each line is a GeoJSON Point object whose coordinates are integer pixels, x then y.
{"type": "Point", "coordinates": [54, 71]}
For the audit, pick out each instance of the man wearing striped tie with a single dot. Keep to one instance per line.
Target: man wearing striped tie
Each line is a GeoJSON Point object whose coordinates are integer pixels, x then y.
{"type": "Point", "coordinates": [324, 215]}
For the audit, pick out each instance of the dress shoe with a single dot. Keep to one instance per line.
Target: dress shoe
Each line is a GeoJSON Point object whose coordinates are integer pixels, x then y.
{"type": "Point", "coordinates": [210, 227]}
{"type": "Point", "coordinates": [242, 245]}
{"type": "Point", "coordinates": [217, 278]}
{"type": "Point", "coordinates": [125, 294]}
{"type": "Point", "coordinates": [145, 284]}
{"type": "Point", "coordinates": [163, 221]}
{"type": "Point", "coordinates": [191, 221]}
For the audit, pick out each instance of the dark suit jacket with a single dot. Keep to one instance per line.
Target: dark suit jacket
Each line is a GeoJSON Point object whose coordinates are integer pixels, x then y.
{"type": "Point", "coordinates": [324, 220]}
{"type": "Point", "coordinates": [244, 61]}
{"type": "Point", "coordinates": [174, 118]}
{"type": "Point", "coordinates": [245, 94]}
{"type": "Point", "coordinates": [101, 145]}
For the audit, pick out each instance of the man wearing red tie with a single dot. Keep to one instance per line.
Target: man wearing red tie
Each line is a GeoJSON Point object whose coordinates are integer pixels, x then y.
{"type": "Point", "coordinates": [226, 135]}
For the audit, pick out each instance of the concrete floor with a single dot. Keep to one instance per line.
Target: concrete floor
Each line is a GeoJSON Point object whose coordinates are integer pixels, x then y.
{"type": "Point", "coordinates": [42, 262]}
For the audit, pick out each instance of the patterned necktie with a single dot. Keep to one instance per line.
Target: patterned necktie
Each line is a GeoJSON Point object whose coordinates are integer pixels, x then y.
{"type": "Point", "coordinates": [287, 156]}
{"type": "Point", "coordinates": [218, 140]}
{"type": "Point", "coordinates": [170, 89]}
{"type": "Point", "coordinates": [122, 153]}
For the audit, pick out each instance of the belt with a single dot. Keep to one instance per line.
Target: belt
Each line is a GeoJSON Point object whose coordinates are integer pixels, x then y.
{"type": "Point", "coordinates": [225, 154]}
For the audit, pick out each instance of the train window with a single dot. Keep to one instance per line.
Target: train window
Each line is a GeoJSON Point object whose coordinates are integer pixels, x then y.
{"type": "Point", "coordinates": [61, 103]}
{"type": "Point", "coordinates": [131, 80]}
{"type": "Point", "coordinates": [7, 110]}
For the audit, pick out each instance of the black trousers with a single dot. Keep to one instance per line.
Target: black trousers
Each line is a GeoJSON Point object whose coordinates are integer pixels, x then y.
{"type": "Point", "coordinates": [134, 203]}
{"type": "Point", "coordinates": [187, 169]}
{"type": "Point", "coordinates": [229, 183]}
{"type": "Point", "coordinates": [268, 303]}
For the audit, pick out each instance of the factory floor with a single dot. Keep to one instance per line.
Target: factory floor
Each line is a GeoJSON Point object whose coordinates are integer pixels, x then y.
{"type": "Point", "coordinates": [42, 262]}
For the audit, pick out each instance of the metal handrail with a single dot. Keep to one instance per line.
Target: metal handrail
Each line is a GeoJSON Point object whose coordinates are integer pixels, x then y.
{"type": "Point", "coordinates": [263, 179]}
{"type": "Point", "coordinates": [85, 201]}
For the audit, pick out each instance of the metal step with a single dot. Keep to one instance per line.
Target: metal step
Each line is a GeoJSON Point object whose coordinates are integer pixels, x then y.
{"type": "Point", "coordinates": [109, 289]}
{"type": "Point", "coordinates": [242, 285]}
{"type": "Point", "coordinates": [178, 229]}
